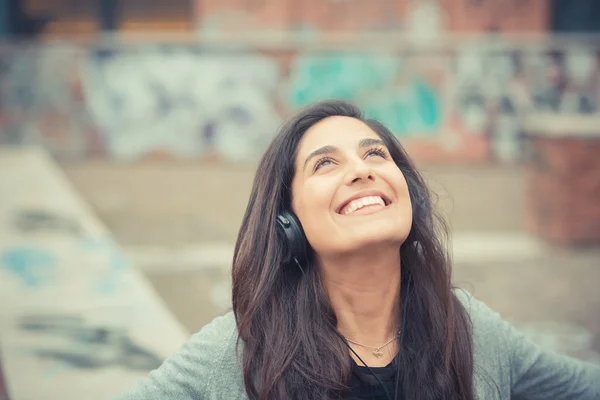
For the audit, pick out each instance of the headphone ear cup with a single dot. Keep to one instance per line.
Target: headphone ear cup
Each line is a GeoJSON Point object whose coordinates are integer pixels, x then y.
{"type": "Point", "coordinates": [283, 227]}
{"type": "Point", "coordinates": [291, 232]}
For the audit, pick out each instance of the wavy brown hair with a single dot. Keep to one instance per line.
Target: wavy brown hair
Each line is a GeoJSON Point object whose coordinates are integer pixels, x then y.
{"type": "Point", "coordinates": [287, 326]}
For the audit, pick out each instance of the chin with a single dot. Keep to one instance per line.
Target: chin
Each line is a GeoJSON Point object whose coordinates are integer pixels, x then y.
{"type": "Point", "coordinates": [378, 237]}
{"type": "Point", "coordinates": [381, 230]}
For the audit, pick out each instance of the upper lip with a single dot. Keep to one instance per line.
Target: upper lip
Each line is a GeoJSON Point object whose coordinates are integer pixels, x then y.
{"type": "Point", "coordinates": [368, 193]}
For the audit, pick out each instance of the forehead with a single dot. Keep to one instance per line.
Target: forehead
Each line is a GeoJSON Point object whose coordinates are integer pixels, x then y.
{"type": "Point", "coordinates": [335, 131]}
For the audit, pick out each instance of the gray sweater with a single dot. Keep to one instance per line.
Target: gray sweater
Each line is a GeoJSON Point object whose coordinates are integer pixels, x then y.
{"type": "Point", "coordinates": [206, 367]}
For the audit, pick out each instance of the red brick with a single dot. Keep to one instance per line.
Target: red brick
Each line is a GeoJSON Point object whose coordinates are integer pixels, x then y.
{"type": "Point", "coordinates": [563, 197]}
{"type": "Point", "coordinates": [356, 15]}
{"type": "Point", "coordinates": [503, 15]}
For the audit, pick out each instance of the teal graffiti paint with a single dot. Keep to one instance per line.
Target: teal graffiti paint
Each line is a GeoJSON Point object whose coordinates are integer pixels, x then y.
{"type": "Point", "coordinates": [117, 265]}
{"type": "Point", "coordinates": [33, 266]}
{"type": "Point", "coordinates": [316, 78]}
{"type": "Point", "coordinates": [379, 85]}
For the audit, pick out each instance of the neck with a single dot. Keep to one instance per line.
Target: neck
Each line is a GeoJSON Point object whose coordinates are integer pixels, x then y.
{"type": "Point", "coordinates": [364, 288]}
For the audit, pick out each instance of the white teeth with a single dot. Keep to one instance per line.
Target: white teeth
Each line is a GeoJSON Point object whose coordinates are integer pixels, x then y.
{"type": "Point", "coordinates": [362, 202]}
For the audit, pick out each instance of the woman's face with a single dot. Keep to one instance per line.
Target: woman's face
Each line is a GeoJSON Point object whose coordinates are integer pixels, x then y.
{"type": "Point", "coordinates": [347, 191]}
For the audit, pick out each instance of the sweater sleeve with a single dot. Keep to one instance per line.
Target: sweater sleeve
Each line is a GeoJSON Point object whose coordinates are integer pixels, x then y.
{"type": "Point", "coordinates": [189, 373]}
{"type": "Point", "coordinates": [536, 373]}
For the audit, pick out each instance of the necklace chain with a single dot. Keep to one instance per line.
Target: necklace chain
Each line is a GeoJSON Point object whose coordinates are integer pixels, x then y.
{"type": "Point", "coordinates": [377, 350]}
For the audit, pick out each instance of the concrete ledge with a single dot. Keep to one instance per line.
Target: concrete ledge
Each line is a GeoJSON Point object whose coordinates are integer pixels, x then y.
{"type": "Point", "coordinates": [562, 125]}
{"type": "Point", "coordinates": [467, 247]}
{"type": "Point", "coordinates": [73, 311]}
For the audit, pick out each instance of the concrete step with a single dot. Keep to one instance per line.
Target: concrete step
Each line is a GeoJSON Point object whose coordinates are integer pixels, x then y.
{"type": "Point", "coordinates": [73, 310]}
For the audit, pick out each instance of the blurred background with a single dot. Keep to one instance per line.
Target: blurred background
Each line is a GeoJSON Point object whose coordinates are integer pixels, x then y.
{"type": "Point", "coordinates": [130, 132]}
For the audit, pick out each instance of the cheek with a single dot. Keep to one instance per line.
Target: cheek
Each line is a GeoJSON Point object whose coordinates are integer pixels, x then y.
{"type": "Point", "coordinates": [396, 180]}
{"type": "Point", "coordinates": [400, 187]}
{"type": "Point", "coordinates": [317, 196]}
{"type": "Point", "coordinates": [406, 202]}
{"type": "Point", "coordinates": [312, 206]}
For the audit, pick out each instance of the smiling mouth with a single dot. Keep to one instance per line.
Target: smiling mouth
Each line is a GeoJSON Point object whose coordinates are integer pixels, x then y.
{"type": "Point", "coordinates": [364, 205]}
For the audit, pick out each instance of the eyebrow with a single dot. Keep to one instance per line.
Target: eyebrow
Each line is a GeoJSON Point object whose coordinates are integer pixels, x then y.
{"type": "Point", "coordinates": [332, 149]}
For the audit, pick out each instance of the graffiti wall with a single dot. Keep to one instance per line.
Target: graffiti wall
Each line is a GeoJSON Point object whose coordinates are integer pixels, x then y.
{"type": "Point", "coordinates": [463, 104]}
{"type": "Point", "coordinates": [182, 102]}
{"type": "Point", "coordinates": [491, 91]}
{"type": "Point", "coordinates": [406, 103]}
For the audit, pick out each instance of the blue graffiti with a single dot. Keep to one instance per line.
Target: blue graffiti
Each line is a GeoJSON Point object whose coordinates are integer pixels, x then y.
{"type": "Point", "coordinates": [105, 244]}
{"type": "Point", "coordinates": [376, 84]}
{"type": "Point", "coordinates": [32, 265]}
{"type": "Point", "coordinates": [117, 264]}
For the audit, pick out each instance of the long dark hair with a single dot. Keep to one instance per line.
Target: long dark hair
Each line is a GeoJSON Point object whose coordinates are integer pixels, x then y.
{"type": "Point", "coordinates": [285, 321]}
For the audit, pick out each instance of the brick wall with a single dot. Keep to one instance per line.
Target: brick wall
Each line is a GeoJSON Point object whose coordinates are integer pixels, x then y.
{"type": "Point", "coordinates": [358, 15]}
{"type": "Point", "coordinates": [231, 16]}
{"type": "Point", "coordinates": [501, 15]}
{"type": "Point", "coordinates": [320, 15]}
{"type": "Point", "coordinates": [563, 175]}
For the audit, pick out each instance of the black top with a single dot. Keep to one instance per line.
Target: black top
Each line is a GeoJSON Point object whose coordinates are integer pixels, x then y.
{"type": "Point", "coordinates": [363, 385]}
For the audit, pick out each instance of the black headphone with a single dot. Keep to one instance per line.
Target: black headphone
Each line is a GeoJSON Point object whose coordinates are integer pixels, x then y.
{"type": "Point", "coordinates": [295, 249]}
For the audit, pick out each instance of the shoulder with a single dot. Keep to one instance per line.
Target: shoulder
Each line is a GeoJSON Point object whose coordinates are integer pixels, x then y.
{"type": "Point", "coordinates": [217, 354]}
{"type": "Point", "coordinates": [217, 346]}
{"type": "Point", "coordinates": [217, 341]}
{"type": "Point", "coordinates": [218, 335]}
{"type": "Point", "coordinates": [492, 335]}
{"type": "Point", "coordinates": [206, 366]}
{"type": "Point", "coordinates": [485, 322]}
{"type": "Point", "coordinates": [506, 361]}
{"type": "Point", "coordinates": [491, 350]}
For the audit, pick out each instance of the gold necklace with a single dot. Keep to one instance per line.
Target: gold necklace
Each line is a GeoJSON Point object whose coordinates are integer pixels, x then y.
{"type": "Point", "coordinates": [376, 350]}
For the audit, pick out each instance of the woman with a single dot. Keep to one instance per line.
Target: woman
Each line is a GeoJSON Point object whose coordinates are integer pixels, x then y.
{"type": "Point", "coordinates": [341, 289]}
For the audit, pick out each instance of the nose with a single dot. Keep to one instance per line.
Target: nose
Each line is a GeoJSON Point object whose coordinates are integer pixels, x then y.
{"type": "Point", "coordinates": [359, 171]}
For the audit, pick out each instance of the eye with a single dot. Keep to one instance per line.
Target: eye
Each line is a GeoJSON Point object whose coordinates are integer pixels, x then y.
{"type": "Point", "coordinates": [323, 162]}
{"type": "Point", "coordinates": [380, 152]}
